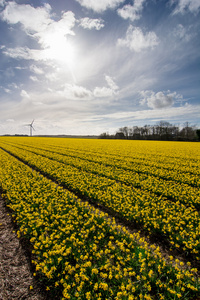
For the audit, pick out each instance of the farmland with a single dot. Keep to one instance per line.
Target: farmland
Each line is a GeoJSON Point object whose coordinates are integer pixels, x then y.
{"type": "Point", "coordinates": [71, 197]}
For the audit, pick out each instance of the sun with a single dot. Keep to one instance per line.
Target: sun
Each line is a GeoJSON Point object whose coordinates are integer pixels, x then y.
{"type": "Point", "coordinates": [62, 50]}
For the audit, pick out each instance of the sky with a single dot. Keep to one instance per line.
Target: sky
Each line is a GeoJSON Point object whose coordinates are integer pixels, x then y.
{"type": "Point", "coordinates": [85, 67]}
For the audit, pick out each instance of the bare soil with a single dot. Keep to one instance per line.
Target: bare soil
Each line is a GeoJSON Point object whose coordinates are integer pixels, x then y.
{"type": "Point", "coordinates": [16, 278]}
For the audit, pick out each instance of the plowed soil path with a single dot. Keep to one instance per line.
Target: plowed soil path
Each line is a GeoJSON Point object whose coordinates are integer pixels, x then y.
{"type": "Point", "coordinates": [16, 279]}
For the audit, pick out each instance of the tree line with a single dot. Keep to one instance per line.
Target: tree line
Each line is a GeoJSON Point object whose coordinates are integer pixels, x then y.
{"type": "Point", "coordinates": [162, 131]}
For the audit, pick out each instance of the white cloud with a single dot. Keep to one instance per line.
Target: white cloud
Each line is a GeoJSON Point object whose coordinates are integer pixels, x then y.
{"type": "Point", "coordinates": [36, 70]}
{"type": "Point", "coordinates": [132, 12]}
{"type": "Point", "coordinates": [24, 94]}
{"type": "Point", "coordinates": [158, 100]}
{"type": "Point", "coordinates": [32, 19]}
{"type": "Point", "coordinates": [187, 5]}
{"type": "Point", "coordinates": [37, 22]}
{"type": "Point", "coordinates": [182, 33]}
{"type": "Point", "coordinates": [52, 76]}
{"type": "Point", "coordinates": [169, 113]}
{"type": "Point", "coordinates": [2, 2]}
{"type": "Point", "coordinates": [103, 92]}
{"type": "Point", "coordinates": [111, 83]}
{"type": "Point", "coordinates": [137, 41]}
{"type": "Point", "coordinates": [18, 52]}
{"type": "Point", "coordinates": [7, 90]}
{"type": "Point", "coordinates": [20, 68]}
{"type": "Point", "coordinates": [100, 5]}
{"type": "Point", "coordinates": [88, 23]}
{"type": "Point", "coordinates": [56, 32]}
{"type": "Point", "coordinates": [25, 53]}
{"type": "Point", "coordinates": [14, 85]}
{"type": "Point", "coordinates": [34, 78]}
{"type": "Point", "coordinates": [72, 91]}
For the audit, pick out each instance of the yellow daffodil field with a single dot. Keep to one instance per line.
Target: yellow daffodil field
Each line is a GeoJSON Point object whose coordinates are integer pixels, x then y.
{"type": "Point", "coordinates": [107, 219]}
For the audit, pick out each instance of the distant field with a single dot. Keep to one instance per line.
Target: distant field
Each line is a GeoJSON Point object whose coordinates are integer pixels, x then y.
{"type": "Point", "coordinates": [69, 196]}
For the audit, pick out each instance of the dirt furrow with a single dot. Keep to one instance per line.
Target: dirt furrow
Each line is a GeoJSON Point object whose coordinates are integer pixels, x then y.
{"type": "Point", "coordinates": [16, 278]}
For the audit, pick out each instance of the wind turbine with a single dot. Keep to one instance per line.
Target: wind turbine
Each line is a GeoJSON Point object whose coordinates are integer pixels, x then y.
{"type": "Point", "coordinates": [31, 127]}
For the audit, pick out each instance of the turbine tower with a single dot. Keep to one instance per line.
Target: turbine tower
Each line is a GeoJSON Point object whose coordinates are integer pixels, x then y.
{"type": "Point", "coordinates": [31, 127]}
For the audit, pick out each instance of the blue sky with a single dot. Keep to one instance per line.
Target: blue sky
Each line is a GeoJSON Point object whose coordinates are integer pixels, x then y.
{"type": "Point", "coordinates": [88, 66]}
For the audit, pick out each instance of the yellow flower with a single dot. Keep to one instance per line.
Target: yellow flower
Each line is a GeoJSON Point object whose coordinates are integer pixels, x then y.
{"type": "Point", "coordinates": [95, 271]}
{"type": "Point", "coordinates": [150, 274]}
{"type": "Point", "coordinates": [179, 295]}
{"type": "Point", "coordinates": [88, 295]}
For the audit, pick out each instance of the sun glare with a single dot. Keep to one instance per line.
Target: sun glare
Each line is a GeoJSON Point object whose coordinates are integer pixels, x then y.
{"type": "Point", "coordinates": [61, 50]}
